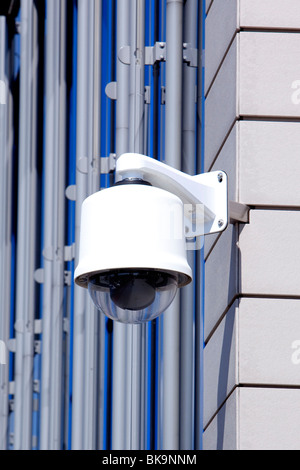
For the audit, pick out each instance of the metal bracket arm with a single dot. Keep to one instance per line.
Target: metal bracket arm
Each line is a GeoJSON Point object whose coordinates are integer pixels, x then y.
{"type": "Point", "coordinates": [204, 196]}
{"type": "Point", "coordinates": [238, 212]}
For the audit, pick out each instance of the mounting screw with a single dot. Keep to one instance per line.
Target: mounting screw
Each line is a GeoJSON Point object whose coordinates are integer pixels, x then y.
{"type": "Point", "coordinates": [220, 177]}
{"type": "Point", "coordinates": [220, 222]}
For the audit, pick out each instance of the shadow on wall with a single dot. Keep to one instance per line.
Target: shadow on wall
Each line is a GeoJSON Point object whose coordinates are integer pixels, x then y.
{"type": "Point", "coordinates": [223, 392]}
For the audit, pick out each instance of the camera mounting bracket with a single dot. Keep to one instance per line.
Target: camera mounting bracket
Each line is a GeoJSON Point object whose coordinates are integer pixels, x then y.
{"type": "Point", "coordinates": [204, 196]}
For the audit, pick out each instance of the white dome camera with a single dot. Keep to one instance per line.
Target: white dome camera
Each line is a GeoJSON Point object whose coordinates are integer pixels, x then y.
{"type": "Point", "coordinates": [134, 235]}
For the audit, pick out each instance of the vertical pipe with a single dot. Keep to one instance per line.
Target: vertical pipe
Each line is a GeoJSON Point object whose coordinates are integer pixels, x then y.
{"type": "Point", "coordinates": [154, 152]}
{"type": "Point", "coordinates": [122, 146]}
{"type": "Point", "coordinates": [5, 222]}
{"type": "Point", "coordinates": [71, 206]}
{"type": "Point", "coordinates": [199, 317]}
{"type": "Point", "coordinates": [151, 131]}
{"type": "Point", "coordinates": [136, 144]}
{"type": "Point", "coordinates": [86, 318]}
{"type": "Point", "coordinates": [54, 212]}
{"type": "Point", "coordinates": [91, 327]}
{"type": "Point", "coordinates": [189, 91]}
{"type": "Point", "coordinates": [160, 320]}
{"type": "Point", "coordinates": [100, 340]}
{"type": "Point", "coordinates": [59, 234]}
{"type": "Point", "coordinates": [27, 183]}
{"type": "Point", "coordinates": [81, 193]}
{"type": "Point", "coordinates": [50, 151]}
{"type": "Point", "coordinates": [137, 76]}
{"type": "Point", "coordinates": [108, 145]}
{"type": "Point", "coordinates": [96, 105]}
{"type": "Point", "coordinates": [122, 114]}
{"type": "Point", "coordinates": [156, 71]}
{"type": "Point", "coordinates": [187, 294]}
{"type": "Point", "coordinates": [173, 132]}
{"type": "Point", "coordinates": [129, 137]}
{"type": "Point", "coordinates": [92, 319]}
{"type": "Point", "coordinates": [174, 39]}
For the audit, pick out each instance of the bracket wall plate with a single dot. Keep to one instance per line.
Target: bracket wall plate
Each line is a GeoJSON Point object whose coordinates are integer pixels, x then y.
{"type": "Point", "coordinates": [204, 196]}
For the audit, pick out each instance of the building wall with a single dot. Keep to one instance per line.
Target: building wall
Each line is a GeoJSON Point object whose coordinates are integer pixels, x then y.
{"type": "Point", "coordinates": [252, 304]}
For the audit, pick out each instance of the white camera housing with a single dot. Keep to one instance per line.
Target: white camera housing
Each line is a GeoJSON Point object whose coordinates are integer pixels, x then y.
{"type": "Point", "coordinates": [133, 238]}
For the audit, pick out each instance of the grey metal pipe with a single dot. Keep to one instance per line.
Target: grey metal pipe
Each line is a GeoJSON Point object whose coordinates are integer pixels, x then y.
{"type": "Point", "coordinates": [96, 105]}
{"type": "Point", "coordinates": [99, 347]}
{"type": "Point", "coordinates": [87, 322]}
{"type": "Point", "coordinates": [58, 235]}
{"type": "Point", "coordinates": [136, 144]}
{"type": "Point", "coordinates": [25, 288]}
{"type": "Point", "coordinates": [199, 314]}
{"type": "Point", "coordinates": [160, 320]}
{"type": "Point", "coordinates": [187, 294]}
{"type": "Point", "coordinates": [90, 327]}
{"type": "Point", "coordinates": [122, 146]}
{"type": "Point", "coordinates": [50, 152]}
{"type": "Point", "coordinates": [80, 296]}
{"type": "Point", "coordinates": [55, 163]}
{"type": "Point", "coordinates": [122, 107]}
{"type": "Point", "coordinates": [137, 76]}
{"type": "Point", "coordinates": [173, 132]}
{"type": "Point", "coordinates": [127, 368]}
{"type": "Point", "coordinates": [6, 148]}
{"type": "Point", "coordinates": [174, 40]}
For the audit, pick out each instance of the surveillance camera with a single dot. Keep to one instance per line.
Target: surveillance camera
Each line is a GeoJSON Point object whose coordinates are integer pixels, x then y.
{"type": "Point", "coordinates": [132, 253]}
{"type": "Point", "coordinates": [132, 250]}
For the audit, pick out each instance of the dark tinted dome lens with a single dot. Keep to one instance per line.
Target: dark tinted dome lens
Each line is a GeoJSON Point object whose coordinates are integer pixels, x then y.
{"type": "Point", "coordinates": [133, 296]}
{"type": "Point", "coordinates": [132, 292]}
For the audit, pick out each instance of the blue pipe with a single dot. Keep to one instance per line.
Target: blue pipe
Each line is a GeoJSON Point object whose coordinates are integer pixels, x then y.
{"type": "Point", "coordinates": [71, 204]}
